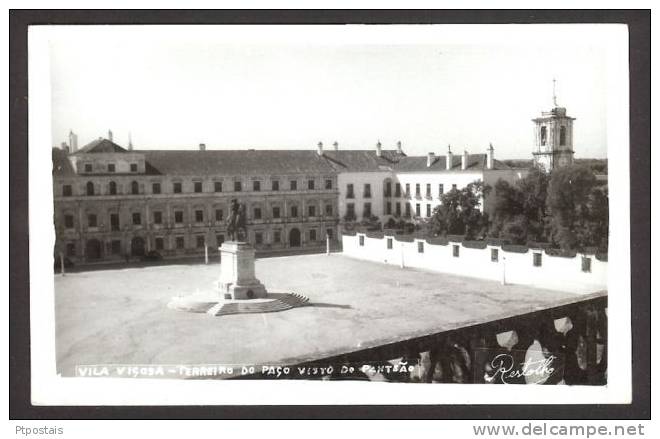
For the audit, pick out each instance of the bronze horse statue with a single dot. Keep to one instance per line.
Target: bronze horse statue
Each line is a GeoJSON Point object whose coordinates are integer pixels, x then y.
{"type": "Point", "coordinates": [236, 222]}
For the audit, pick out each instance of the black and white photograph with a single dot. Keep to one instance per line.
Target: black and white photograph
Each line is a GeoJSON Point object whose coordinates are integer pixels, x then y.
{"type": "Point", "coordinates": [410, 214]}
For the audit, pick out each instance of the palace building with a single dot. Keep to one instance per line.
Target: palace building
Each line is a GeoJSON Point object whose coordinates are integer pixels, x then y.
{"type": "Point", "coordinates": [112, 202]}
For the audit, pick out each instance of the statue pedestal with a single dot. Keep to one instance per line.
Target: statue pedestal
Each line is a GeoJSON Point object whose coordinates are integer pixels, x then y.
{"type": "Point", "coordinates": [237, 279]}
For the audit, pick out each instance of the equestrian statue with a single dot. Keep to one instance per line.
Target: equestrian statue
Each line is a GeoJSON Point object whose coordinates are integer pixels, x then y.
{"type": "Point", "coordinates": [236, 222]}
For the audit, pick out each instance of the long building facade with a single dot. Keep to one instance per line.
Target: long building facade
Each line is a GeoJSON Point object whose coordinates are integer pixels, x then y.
{"type": "Point", "coordinates": [113, 203]}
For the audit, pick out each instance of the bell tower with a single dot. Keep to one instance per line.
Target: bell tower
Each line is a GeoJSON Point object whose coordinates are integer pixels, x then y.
{"type": "Point", "coordinates": [553, 133]}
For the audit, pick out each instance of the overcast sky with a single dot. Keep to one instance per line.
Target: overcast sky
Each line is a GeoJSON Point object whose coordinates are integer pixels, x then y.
{"type": "Point", "coordinates": [176, 88]}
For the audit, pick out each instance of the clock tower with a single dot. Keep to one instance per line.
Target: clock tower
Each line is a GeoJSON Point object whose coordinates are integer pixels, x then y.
{"type": "Point", "coordinates": [553, 137]}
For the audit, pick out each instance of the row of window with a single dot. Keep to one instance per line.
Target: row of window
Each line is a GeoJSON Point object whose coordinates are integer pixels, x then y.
{"type": "Point", "coordinates": [157, 216]}
{"type": "Point", "coordinates": [367, 211]}
{"type": "Point", "coordinates": [177, 187]}
{"type": "Point", "coordinates": [111, 168]}
{"type": "Point", "coordinates": [562, 135]}
{"type": "Point", "coordinates": [537, 258]}
{"type": "Point", "coordinates": [366, 193]}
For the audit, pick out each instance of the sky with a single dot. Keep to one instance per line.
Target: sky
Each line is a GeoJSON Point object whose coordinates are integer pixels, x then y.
{"type": "Point", "coordinates": [258, 87]}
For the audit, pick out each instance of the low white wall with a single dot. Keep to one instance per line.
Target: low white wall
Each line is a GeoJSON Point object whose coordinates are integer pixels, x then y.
{"type": "Point", "coordinates": [555, 272]}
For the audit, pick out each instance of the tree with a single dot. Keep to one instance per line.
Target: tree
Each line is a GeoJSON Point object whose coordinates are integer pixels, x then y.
{"type": "Point", "coordinates": [459, 212]}
{"type": "Point", "coordinates": [519, 211]}
{"type": "Point", "coordinates": [570, 205]}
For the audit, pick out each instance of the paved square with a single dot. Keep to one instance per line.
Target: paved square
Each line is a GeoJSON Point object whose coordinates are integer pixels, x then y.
{"type": "Point", "coordinates": [121, 316]}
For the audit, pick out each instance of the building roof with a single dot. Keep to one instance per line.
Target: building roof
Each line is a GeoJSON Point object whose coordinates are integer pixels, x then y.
{"type": "Point", "coordinates": [62, 167]}
{"type": "Point", "coordinates": [418, 163]}
{"type": "Point", "coordinates": [100, 146]}
{"type": "Point", "coordinates": [362, 160]}
{"type": "Point", "coordinates": [234, 162]}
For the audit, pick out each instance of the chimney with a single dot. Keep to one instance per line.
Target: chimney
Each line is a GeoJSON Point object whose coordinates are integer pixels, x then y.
{"type": "Point", "coordinates": [464, 160]}
{"type": "Point", "coordinates": [399, 148]}
{"type": "Point", "coordinates": [319, 148]}
{"type": "Point", "coordinates": [379, 151]}
{"type": "Point", "coordinates": [336, 145]}
{"type": "Point", "coordinates": [130, 142]}
{"type": "Point", "coordinates": [450, 158]}
{"type": "Point", "coordinates": [202, 146]}
{"type": "Point", "coordinates": [430, 158]}
{"type": "Point", "coordinates": [490, 157]}
{"type": "Point", "coordinates": [73, 141]}
{"type": "Point", "coordinates": [110, 135]}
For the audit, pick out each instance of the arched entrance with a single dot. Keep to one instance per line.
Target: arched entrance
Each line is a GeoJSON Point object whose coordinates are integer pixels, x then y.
{"type": "Point", "coordinates": [294, 238]}
{"type": "Point", "coordinates": [137, 246]}
{"type": "Point", "coordinates": [93, 249]}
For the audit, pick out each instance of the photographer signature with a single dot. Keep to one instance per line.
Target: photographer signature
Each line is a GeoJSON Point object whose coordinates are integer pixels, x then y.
{"type": "Point", "coordinates": [534, 371]}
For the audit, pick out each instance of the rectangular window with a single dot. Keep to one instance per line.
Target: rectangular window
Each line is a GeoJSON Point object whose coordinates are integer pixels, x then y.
{"type": "Point", "coordinates": [420, 247]}
{"type": "Point", "coordinates": [114, 222]}
{"type": "Point", "coordinates": [276, 212]}
{"type": "Point", "coordinates": [155, 188]}
{"type": "Point", "coordinates": [407, 189]}
{"type": "Point", "coordinates": [218, 214]}
{"type": "Point", "coordinates": [178, 216]}
{"type": "Point", "coordinates": [200, 241]}
{"type": "Point", "coordinates": [456, 251]}
{"type": "Point", "coordinates": [237, 186]}
{"type": "Point", "coordinates": [408, 209]}
{"type": "Point", "coordinates": [397, 211]}
{"type": "Point", "coordinates": [257, 213]}
{"type": "Point", "coordinates": [311, 211]}
{"type": "Point", "coordinates": [275, 185]}
{"type": "Point", "coordinates": [133, 167]}
{"type": "Point", "coordinates": [397, 190]}
{"type": "Point", "coordinates": [417, 190]}
{"type": "Point", "coordinates": [68, 221]}
{"type": "Point", "coordinates": [71, 249]}
{"type": "Point", "coordinates": [454, 187]}
{"type": "Point", "coordinates": [367, 190]}
{"type": "Point", "coordinates": [312, 235]}
{"type": "Point", "coordinates": [586, 264]}
{"type": "Point", "coordinates": [349, 191]}
{"type": "Point", "coordinates": [350, 210]}
{"type": "Point", "coordinates": [538, 259]}
{"type": "Point", "coordinates": [388, 208]}
{"type": "Point", "coordinates": [441, 189]}
{"type": "Point", "coordinates": [158, 217]}
{"type": "Point", "coordinates": [390, 244]}
{"type": "Point", "coordinates": [494, 255]}
{"type": "Point", "coordinates": [277, 236]}
{"type": "Point", "coordinates": [388, 189]}
{"type": "Point", "coordinates": [219, 239]}
{"type": "Point", "coordinates": [258, 238]}
{"type": "Point", "coordinates": [198, 186]}
{"type": "Point", "coordinates": [199, 216]}
{"type": "Point", "coordinates": [66, 190]}
{"type": "Point", "coordinates": [294, 211]}
{"type": "Point", "coordinates": [176, 187]}
{"type": "Point", "coordinates": [418, 209]}
{"type": "Point", "coordinates": [217, 186]}
{"type": "Point", "coordinates": [328, 183]}
{"type": "Point", "coordinates": [367, 210]}
{"type": "Point", "coordinates": [310, 185]}
{"type": "Point", "coordinates": [180, 243]}
{"type": "Point", "coordinates": [293, 185]}
{"type": "Point", "coordinates": [160, 243]}
{"type": "Point", "coordinates": [91, 220]}
{"type": "Point", "coordinates": [361, 239]}
{"type": "Point", "coordinates": [88, 167]}
{"type": "Point", "coordinates": [111, 167]}
{"type": "Point", "coordinates": [428, 210]}
{"type": "Point", "coordinates": [328, 210]}
{"type": "Point", "coordinates": [115, 246]}
{"type": "Point", "coordinates": [328, 233]}
{"type": "Point", "coordinates": [428, 190]}
{"type": "Point", "coordinates": [137, 218]}
{"type": "Point", "coordinates": [256, 186]}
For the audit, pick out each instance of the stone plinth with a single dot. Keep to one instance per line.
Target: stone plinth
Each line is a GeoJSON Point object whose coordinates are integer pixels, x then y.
{"type": "Point", "coordinates": [237, 279]}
